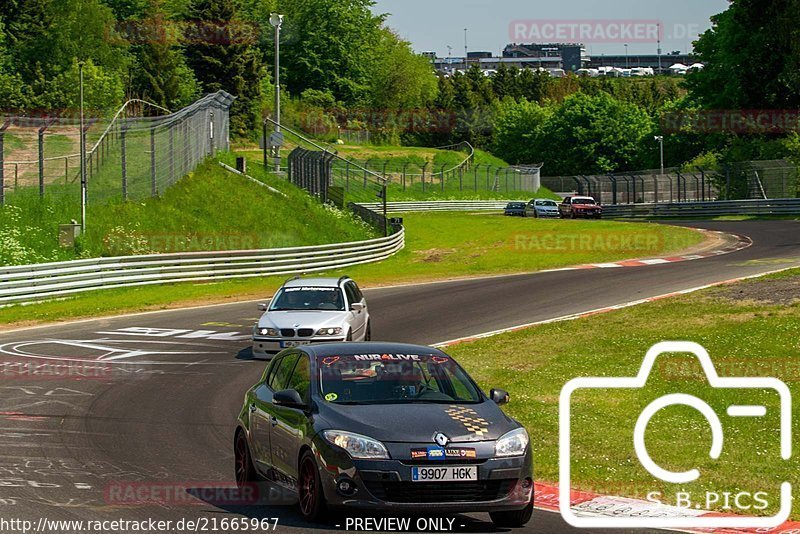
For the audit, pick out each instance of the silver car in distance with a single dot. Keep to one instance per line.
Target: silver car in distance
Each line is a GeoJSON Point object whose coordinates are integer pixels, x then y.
{"type": "Point", "coordinates": [311, 310]}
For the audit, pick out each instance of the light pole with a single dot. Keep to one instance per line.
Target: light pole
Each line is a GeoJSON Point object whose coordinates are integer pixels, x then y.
{"type": "Point", "coordinates": [466, 53]}
{"type": "Point", "coordinates": [627, 64]}
{"type": "Point", "coordinates": [276, 20]}
{"type": "Point", "coordinates": [83, 155]}
{"type": "Point", "coordinates": [660, 140]}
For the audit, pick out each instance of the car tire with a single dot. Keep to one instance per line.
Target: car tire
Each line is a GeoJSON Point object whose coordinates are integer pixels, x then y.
{"type": "Point", "coordinates": [309, 489]}
{"type": "Point", "coordinates": [244, 471]}
{"type": "Point", "coordinates": [513, 519]}
{"type": "Point", "coordinates": [368, 333]}
{"type": "Point", "coordinates": [349, 336]}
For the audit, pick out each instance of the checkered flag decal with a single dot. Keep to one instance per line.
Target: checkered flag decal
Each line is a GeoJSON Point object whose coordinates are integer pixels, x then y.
{"type": "Point", "coordinates": [469, 418]}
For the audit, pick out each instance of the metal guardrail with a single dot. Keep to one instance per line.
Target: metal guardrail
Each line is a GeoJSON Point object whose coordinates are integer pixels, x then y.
{"type": "Point", "coordinates": [785, 206]}
{"type": "Point", "coordinates": [30, 283]}
{"type": "Point", "coordinates": [439, 205]}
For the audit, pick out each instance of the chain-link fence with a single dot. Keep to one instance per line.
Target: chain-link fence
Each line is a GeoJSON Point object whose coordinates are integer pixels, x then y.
{"type": "Point", "coordinates": [639, 187]}
{"type": "Point", "coordinates": [759, 180]}
{"type": "Point", "coordinates": [736, 181]}
{"type": "Point", "coordinates": [127, 157]}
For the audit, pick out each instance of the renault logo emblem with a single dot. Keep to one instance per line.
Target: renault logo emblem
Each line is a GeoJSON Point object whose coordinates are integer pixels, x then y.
{"type": "Point", "coordinates": [440, 439]}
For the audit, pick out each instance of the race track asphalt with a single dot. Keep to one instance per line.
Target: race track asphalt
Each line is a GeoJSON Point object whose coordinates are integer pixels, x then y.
{"type": "Point", "coordinates": [161, 410]}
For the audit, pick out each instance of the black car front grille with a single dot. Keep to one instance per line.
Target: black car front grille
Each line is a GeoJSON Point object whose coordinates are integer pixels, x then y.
{"type": "Point", "coordinates": [305, 332]}
{"type": "Point", "coordinates": [287, 332]}
{"type": "Point", "coordinates": [427, 492]}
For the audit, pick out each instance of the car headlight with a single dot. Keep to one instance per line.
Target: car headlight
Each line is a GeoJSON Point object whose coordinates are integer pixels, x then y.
{"type": "Point", "coordinates": [356, 445]}
{"type": "Point", "coordinates": [271, 332]}
{"type": "Point", "coordinates": [513, 443]}
{"type": "Point", "coordinates": [329, 331]}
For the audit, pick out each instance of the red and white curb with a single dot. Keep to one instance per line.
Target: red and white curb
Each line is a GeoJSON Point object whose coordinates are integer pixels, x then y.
{"type": "Point", "coordinates": [741, 242]}
{"type": "Point", "coordinates": [546, 497]}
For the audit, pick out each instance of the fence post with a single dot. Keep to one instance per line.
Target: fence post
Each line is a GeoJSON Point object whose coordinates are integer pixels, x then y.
{"type": "Point", "coordinates": [41, 162]}
{"type": "Point", "coordinates": [475, 175]}
{"type": "Point", "coordinates": [124, 162]}
{"type": "Point", "coordinates": [727, 182]}
{"type": "Point", "coordinates": [66, 170]}
{"type": "Point", "coordinates": [405, 166]}
{"type": "Point", "coordinates": [443, 167]}
{"type": "Point", "coordinates": [461, 178]}
{"type": "Point", "coordinates": [153, 184]}
{"type": "Point", "coordinates": [2, 173]}
{"type": "Point", "coordinates": [424, 167]}
{"type": "Point", "coordinates": [347, 176]}
{"type": "Point", "coordinates": [171, 155]}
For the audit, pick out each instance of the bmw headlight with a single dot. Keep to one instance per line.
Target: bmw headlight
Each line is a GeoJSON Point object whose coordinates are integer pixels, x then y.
{"type": "Point", "coordinates": [356, 445]}
{"type": "Point", "coordinates": [329, 332]}
{"type": "Point", "coordinates": [270, 332]}
{"type": "Point", "coordinates": [513, 443]}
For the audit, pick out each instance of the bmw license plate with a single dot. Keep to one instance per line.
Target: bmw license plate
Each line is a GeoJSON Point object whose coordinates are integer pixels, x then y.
{"type": "Point", "coordinates": [289, 344]}
{"type": "Point", "coordinates": [451, 473]}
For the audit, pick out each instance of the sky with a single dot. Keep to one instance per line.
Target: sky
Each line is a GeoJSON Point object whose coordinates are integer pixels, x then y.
{"type": "Point", "coordinates": [432, 25]}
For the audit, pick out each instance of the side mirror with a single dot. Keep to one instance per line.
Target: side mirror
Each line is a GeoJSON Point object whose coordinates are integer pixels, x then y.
{"type": "Point", "coordinates": [288, 398]}
{"type": "Point", "coordinates": [262, 307]}
{"type": "Point", "coordinates": [356, 306]}
{"type": "Point", "coordinates": [499, 396]}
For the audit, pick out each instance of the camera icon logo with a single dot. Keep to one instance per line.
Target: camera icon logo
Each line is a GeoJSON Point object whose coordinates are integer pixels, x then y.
{"type": "Point", "coordinates": [690, 520]}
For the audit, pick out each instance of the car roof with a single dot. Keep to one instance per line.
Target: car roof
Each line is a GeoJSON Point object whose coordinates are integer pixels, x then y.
{"type": "Point", "coordinates": [322, 350]}
{"type": "Point", "coordinates": [543, 199]}
{"type": "Point", "coordinates": [315, 282]}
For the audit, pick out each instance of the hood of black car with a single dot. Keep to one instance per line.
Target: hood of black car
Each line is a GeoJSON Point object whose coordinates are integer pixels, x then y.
{"type": "Point", "coordinates": [418, 422]}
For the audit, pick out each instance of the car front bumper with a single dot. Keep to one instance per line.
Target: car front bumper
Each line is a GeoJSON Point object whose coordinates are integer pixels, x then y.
{"type": "Point", "coordinates": [588, 214]}
{"type": "Point", "coordinates": [503, 484]}
{"type": "Point", "coordinates": [548, 214]}
{"type": "Point", "coordinates": [269, 347]}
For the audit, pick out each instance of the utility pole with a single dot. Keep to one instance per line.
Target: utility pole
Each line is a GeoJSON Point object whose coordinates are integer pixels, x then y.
{"type": "Point", "coordinates": [83, 156]}
{"type": "Point", "coordinates": [660, 140]}
{"type": "Point", "coordinates": [659, 48]}
{"type": "Point", "coordinates": [627, 64]}
{"type": "Point", "coordinates": [276, 20]}
{"type": "Point", "coordinates": [466, 53]}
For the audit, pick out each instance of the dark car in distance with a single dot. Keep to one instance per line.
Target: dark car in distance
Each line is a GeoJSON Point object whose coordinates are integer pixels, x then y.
{"type": "Point", "coordinates": [515, 209]}
{"type": "Point", "coordinates": [383, 426]}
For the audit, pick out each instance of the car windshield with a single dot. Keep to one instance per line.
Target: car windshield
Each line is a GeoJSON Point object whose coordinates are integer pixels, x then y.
{"type": "Point", "coordinates": [395, 379]}
{"type": "Point", "coordinates": [583, 201]}
{"type": "Point", "coordinates": [308, 298]}
{"type": "Point", "coordinates": [546, 203]}
{"type": "Point", "coordinates": [516, 205]}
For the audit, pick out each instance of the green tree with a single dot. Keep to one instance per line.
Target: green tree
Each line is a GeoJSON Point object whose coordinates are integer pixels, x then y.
{"type": "Point", "coordinates": [329, 45]}
{"type": "Point", "coordinates": [160, 74]}
{"type": "Point", "coordinates": [751, 56]}
{"type": "Point", "coordinates": [223, 57]}
{"type": "Point", "coordinates": [399, 78]}
{"type": "Point", "coordinates": [594, 134]}
{"type": "Point", "coordinates": [518, 131]}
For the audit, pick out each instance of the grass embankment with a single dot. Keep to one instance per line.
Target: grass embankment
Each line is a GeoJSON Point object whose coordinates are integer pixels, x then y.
{"type": "Point", "coordinates": [439, 246]}
{"type": "Point", "coordinates": [210, 209]}
{"type": "Point", "coordinates": [750, 329]}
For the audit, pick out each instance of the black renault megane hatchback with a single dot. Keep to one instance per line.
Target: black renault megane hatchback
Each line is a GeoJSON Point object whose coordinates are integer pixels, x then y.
{"type": "Point", "coordinates": [383, 426]}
